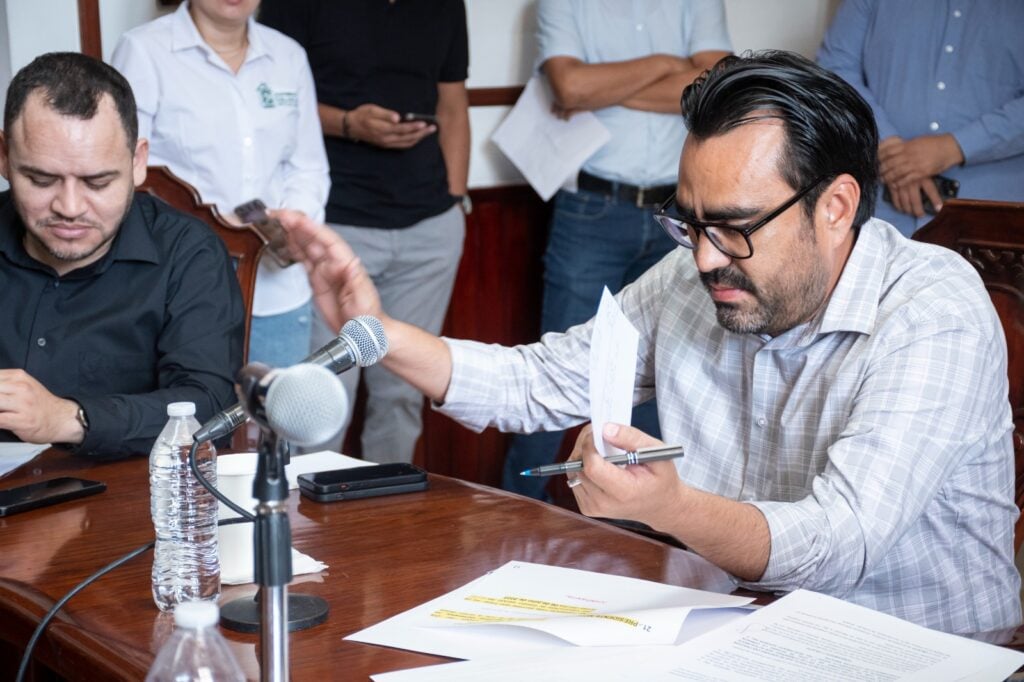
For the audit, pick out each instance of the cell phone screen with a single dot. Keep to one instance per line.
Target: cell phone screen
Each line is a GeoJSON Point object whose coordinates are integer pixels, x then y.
{"type": "Point", "coordinates": [35, 495]}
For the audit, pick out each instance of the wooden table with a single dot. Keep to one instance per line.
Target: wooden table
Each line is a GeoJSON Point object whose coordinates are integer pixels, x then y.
{"type": "Point", "coordinates": [385, 554]}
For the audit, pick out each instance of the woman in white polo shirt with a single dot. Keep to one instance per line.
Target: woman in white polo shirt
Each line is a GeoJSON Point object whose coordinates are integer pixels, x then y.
{"type": "Point", "coordinates": [230, 106]}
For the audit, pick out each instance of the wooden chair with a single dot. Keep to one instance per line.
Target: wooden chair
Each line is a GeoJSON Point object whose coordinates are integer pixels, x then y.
{"type": "Point", "coordinates": [990, 235]}
{"type": "Point", "coordinates": [245, 246]}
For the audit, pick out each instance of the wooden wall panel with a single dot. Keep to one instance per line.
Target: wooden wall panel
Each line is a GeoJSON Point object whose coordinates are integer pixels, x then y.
{"type": "Point", "coordinates": [496, 300]}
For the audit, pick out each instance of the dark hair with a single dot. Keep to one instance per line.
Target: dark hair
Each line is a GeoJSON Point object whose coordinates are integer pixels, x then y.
{"type": "Point", "coordinates": [73, 85]}
{"type": "Point", "coordinates": [829, 127]}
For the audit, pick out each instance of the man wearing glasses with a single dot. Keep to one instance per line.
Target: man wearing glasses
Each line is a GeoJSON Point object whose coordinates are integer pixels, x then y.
{"type": "Point", "coordinates": [840, 391]}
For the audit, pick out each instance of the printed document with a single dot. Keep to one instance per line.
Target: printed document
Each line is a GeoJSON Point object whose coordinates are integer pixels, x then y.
{"type": "Point", "coordinates": [525, 607]}
{"type": "Point", "coordinates": [802, 637]}
{"type": "Point", "coordinates": [547, 150]}
{"type": "Point", "coordinates": [13, 455]}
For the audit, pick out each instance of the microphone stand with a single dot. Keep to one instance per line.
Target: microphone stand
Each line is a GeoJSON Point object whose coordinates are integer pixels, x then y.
{"type": "Point", "coordinates": [272, 554]}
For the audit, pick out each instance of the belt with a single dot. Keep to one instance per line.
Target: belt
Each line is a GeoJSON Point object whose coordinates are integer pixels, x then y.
{"type": "Point", "coordinates": [638, 196]}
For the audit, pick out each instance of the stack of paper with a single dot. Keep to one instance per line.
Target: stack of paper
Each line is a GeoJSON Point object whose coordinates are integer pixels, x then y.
{"type": "Point", "coordinates": [802, 637]}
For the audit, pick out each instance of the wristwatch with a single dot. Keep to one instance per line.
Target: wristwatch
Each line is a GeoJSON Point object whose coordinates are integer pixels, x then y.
{"type": "Point", "coordinates": [465, 203]}
{"type": "Point", "coordinates": [82, 419]}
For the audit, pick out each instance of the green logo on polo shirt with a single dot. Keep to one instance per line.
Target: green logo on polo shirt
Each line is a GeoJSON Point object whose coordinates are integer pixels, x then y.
{"type": "Point", "coordinates": [270, 99]}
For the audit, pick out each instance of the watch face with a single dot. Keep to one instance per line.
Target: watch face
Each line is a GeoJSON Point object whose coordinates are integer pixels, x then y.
{"type": "Point", "coordinates": [467, 204]}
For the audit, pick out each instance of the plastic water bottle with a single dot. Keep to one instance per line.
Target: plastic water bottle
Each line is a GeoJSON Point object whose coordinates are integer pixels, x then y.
{"type": "Point", "coordinates": [195, 651]}
{"type": "Point", "coordinates": [185, 562]}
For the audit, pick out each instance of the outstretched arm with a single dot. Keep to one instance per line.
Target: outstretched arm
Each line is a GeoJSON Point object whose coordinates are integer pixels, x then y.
{"type": "Point", "coordinates": [343, 289]}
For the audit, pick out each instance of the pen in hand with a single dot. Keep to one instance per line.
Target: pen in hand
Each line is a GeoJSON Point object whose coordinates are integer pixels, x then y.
{"type": "Point", "coordinates": [638, 456]}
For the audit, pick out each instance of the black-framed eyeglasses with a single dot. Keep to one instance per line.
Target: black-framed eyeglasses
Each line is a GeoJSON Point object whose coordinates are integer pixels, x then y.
{"type": "Point", "coordinates": [732, 240]}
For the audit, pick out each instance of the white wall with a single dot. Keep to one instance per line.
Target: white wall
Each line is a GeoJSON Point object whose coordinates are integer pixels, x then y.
{"type": "Point", "coordinates": [501, 37]}
{"type": "Point", "coordinates": [117, 16]}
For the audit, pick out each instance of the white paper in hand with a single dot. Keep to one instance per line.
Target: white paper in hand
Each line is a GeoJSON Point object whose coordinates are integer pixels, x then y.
{"type": "Point", "coordinates": [613, 348]}
{"type": "Point", "coordinates": [547, 150]}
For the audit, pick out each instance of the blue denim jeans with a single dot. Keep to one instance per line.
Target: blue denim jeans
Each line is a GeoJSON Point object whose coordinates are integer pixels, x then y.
{"type": "Point", "coordinates": [595, 241]}
{"type": "Point", "coordinates": [281, 340]}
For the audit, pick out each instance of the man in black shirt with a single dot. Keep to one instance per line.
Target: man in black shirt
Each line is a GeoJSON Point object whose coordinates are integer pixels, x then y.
{"type": "Point", "coordinates": [116, 304]}
{"type": "Point", "coordinates": [397, 185]}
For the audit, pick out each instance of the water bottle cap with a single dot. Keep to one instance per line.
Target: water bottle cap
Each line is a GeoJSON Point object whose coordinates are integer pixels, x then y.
{"type": "Point", "coordinates": [181, 409]}
{"type": "Point", "coordinates": [196, 615]}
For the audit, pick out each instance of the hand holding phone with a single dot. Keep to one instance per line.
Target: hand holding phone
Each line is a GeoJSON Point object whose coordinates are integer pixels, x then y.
{"type": "Point", "coordinates": [255, 212]}
{"type": "Point", "coordinates": [948, 189]}
{"type": "Point", "coordinates": [426, 118]}
{"type": "Point", "coordinates": [364, 481]}
{"type": "Point", "coordinates": [43, 493]}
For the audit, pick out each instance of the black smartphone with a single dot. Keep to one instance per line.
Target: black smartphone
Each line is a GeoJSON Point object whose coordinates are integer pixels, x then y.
{"type": "Point", "coordinates": [948, 189]}
{"type": "Point", "coordinates": [367, 481]}
{"type": "Point", "coordinates": [365, 492]}
{"type": "Point", "coordinates": [426, 118]}
{"type": "Point", "coordinates": [255, 212]}
{"type": "Point", "coordinates": [43, 493]}
{"type": "Point", "coordinates": [361, 478]}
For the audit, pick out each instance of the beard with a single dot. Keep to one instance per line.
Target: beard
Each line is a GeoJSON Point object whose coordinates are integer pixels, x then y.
{"type": "Point", "coordinates": [69, 253]}
{"type": "Point", "coordinates": [784, 302]}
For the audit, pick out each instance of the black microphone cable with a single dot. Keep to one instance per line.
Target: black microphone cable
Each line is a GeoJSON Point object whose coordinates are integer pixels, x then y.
{"type": "Point", "coordinates": [246, 517]}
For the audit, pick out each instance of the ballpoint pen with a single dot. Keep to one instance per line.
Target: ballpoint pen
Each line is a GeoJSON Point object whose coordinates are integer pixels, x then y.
{"type": "Point", "coordinates": [638, 456]}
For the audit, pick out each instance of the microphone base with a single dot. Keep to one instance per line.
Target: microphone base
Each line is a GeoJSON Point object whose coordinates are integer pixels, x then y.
{"type": "Point", "coordinates": [243, 614]}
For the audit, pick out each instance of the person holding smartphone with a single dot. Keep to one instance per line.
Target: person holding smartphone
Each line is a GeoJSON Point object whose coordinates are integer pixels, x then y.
{"type": "Point", "coordinates": [390, 79]}
{"type": "Point", "coordinates": [945, 81]}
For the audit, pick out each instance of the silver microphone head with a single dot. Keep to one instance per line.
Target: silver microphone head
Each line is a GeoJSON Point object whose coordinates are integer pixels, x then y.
{"type": "Point", "coordinates": [306, 404]}
{"type": "Point", "coordinates": [369, 344]}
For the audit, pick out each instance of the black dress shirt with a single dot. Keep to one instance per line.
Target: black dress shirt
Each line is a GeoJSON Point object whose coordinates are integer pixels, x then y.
{"type": "Point", "coordinates": [158, 319]}
{"type": "Point", "coordinates": [392, 55]}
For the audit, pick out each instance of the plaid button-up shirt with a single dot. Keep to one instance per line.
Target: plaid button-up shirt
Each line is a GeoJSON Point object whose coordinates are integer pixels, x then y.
{"type": "Point", "coordinates": [874, 438]}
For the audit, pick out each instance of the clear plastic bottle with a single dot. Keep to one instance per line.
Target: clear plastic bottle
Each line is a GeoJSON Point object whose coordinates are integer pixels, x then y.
{"type": "Point", "coordinates": [195, 651]}
{"type": "Point", "coordinates": [185, 562]}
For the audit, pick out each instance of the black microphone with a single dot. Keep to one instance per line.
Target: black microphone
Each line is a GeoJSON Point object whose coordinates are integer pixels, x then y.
{"type": "Point", "coordinates": [361, 342]}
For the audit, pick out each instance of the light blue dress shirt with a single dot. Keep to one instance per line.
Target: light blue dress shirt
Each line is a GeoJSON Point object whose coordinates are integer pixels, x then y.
{"type": "Point", "coordinates": [875, 438]}
{"type": "Point", "coordinates": [940, 66]}
{"type": "Point", "coordinates": [645, 146]}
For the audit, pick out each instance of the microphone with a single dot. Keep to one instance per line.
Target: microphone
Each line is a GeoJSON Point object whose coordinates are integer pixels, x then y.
{"type": "Point", "coordinates": [361, 342]}
{"type": "Point", "coordinates": [304, 404]}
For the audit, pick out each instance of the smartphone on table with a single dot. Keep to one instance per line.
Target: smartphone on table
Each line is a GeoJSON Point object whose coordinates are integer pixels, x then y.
{"type": "Point", "coordinates": [364, 481]}
{"type": "Point", "coordinates": [42, 493]}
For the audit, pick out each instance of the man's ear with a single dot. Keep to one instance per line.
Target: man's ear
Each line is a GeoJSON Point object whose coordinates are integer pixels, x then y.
{"type": "Point", "coordinates": [837, 207]}
{"type": "Point", "coordinates": [140, 161]}
{"type": "Point", "coordinates": [5, 163]}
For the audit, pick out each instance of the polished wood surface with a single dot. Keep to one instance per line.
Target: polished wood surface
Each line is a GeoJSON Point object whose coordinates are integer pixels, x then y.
{"type": "Point", "coordinates": [385, 554]}
{"type": "Point", "coordinates": [990, 235]}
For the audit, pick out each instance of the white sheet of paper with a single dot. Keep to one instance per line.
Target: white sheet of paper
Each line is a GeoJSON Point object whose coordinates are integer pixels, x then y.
{"type": "Point", "coordinates": [13, 455]}
{"type": "Point", "coordinates": [547, 150]}
{"type": "Point", "coordinates": [525, 607]}
{"type": "Point", "coordinates": [613, 347]}
{"type": "Point", "coordinates": [234, 478]}
{"type": "Point", "coordinates": [803, 636]}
